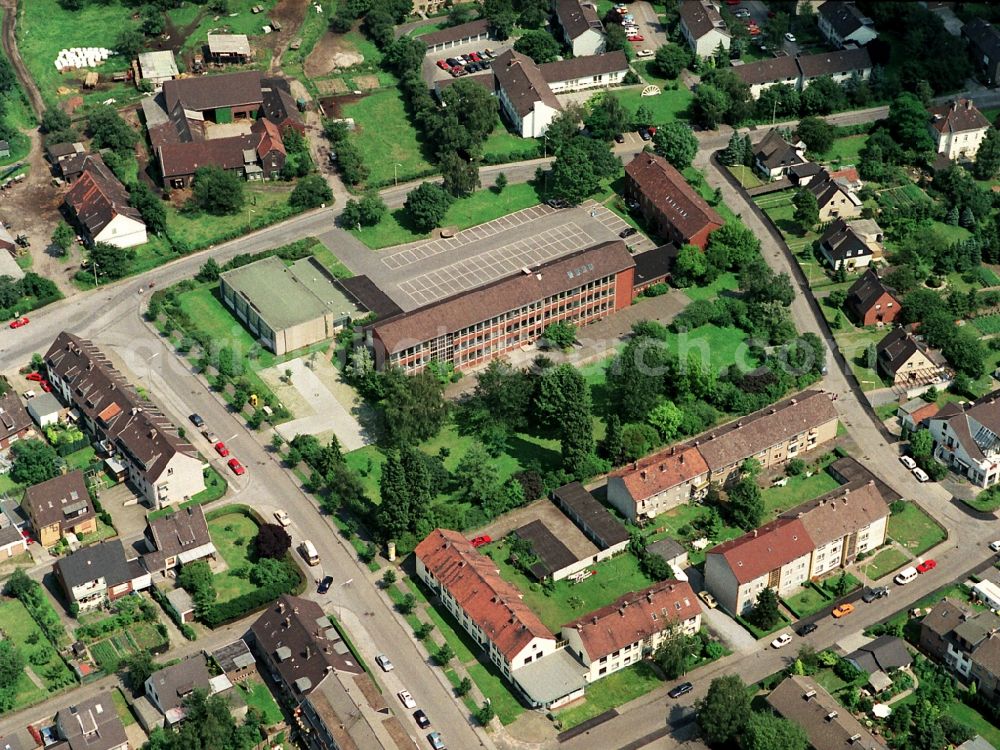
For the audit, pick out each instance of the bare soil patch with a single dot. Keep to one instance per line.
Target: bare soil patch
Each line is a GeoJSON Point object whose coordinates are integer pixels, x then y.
{"type": "Point", "coordinates": [332, 86]}
{"type": "Point", "coordinates": [366, 82]}
{"type": "Point", "coordinates": [289, 14]}
{"type": "Point", "coordinates": [331, 52]}
{"type": "Point", "coordinates": [332, 105]}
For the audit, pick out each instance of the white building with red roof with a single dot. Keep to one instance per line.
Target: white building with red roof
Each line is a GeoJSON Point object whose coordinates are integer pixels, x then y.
{"type": "Point", "coordinates": [659, 482]}
{"type": "Point", "coordinates": [958, 129]}
{"type": "Point", "coordinates": [621, 633]}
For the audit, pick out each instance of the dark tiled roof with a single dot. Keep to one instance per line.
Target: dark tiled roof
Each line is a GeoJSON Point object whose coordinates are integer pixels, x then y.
{"type": "Point", "coordinates": [92, 724]}
{"type": "Point", "coordinates": [279, 104]}
{"type": "Point", "coordinates": [768, 70]}
{"type": "Point", "coordinates": [700, 17]}
{"type": "Point", "coordinates": [987, 655]}
{"type": "Point", "coordinates": [523, 82]}
{"type": "Point", "coordinates": [104, 560]}
{"type": "Point", "coordinates": [97, 197]}
{"type": "Point", "coordinates": [958, 117]}
{"type": "Point", "coordinates": [13, 416]}
{"type": "Point", "coordinates": [233, 656]}
{"type": "Point", "coordinates": [552, 554]}
{"type": "Point", "coordinates": [464, 309]}
{"type": "Point", "coordinates": [58, 151]}
{"type": "Point", "coordinates": [670, 193]}
{"type": "Point", "coordinates": [54, 500]}
{"type": "Point", "coordinates": [885, 653]}
{"type": "Point", "coordinates": [600, 524]}
{"type": "Point", "coordinates": [182, 159]}
{"type": "Point", "coordinates": [177, 532]}
{"type": "Point", "coordinates": [368, 296]}
{"type": "Point", "coordinates": [203, 93]}
{"type": "Point", "coordinates": [828, 725]}
{"type": "Point", "coordinates": [655, 264]}
{"type": "Point", "coordinates": [584, 67]}
{"type": "Point", "coordinates": [866, 291]}
{"type": "Point", "coordinates": [984, 36]}
{"type": "Point", "coordinates": [175, 683]}
{"type": "Point", "coordinates": [841, 512]}
{"type": "Point", "coordinates": [577, 18]}
{"type": "Point", "coordinates": [895, 349]}
{"type": "Point", "coordinates": [774, 151]}
{"type": "Point", "coordinates": [456, 33]}
{"type": "Point", "coordinates": [844, 17]}
{"type": "Point", "coordinates": [842, 243]}
{"type": "Point", "coordinates": [73, 165]}
{"type": "Point", "coordinates": [853, 474]}
{"type": "Point", "coordinates": [834, 63]}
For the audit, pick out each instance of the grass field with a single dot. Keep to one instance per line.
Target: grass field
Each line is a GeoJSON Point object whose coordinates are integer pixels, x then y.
{"type": "Point", "coordinates": [745, 176]}
{"type": "Point", "coordinates": [673, 522]}
{"type": "Point", "coordinates": [121, 707]}
{"type": "Point", "coordinates": [915, 530]}
{"type": "Point", "coordinates": [724, 282]}
{"type": "Point", "coordinates": [883, 563]}
{"type": "Point", "coordinates": [265, 204]}
{"type": "Point", "coordinates": [807, 601]}
{"type": "Point", "coordinates": [258, 696]}
{"type": "Point", "coordinates": [239, 20]}
{"type": "Point", "coordinates": [501, 142]}
{"type": "Point", "coordinates": [987, 324]}
{"type": "Point", "coordinates": [612, 691]}
{"type": "Point", "coordinates": [987, 501]}
{"type": "Point", "coordinates": [20, 629]}
{"type": "Point", "coordinates": [970, 717]}
{"type": "Point", "coordinates": [845, 151]}
{"type": "Point", "coordinates": [213, 318]}
{"type": "Point", "coordinates": [492, 685]}
{"type": "Point", "coordinates": [717, 347]}
{"type": "Point", "coordinates": [668, 106]}
{"type": "Point", "coordinates": [798, 490]}
{"type": "Point", "coordinates": [233, 534]}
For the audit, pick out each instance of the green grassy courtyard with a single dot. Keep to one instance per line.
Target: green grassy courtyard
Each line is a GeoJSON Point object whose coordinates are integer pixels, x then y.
{"type": "Point", "coordinates": [614, 690]}
{"type": "Point", "coordinates": [265, 204]}
{"type": "Point", "coordinates": [49, 669]}
{"type": "Point", "coordinates": [883, 563]}
{"type": "Point", "coordinates": [915, 530]}
{"type": "Point", "coordinates": [797, 491]}
{"type": "Point", "coordinates": [233, 535]}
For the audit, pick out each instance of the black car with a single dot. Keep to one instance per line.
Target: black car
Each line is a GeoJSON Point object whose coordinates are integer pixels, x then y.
{"type": "Point", "coordinates": [467, 58]}
{"type": "Point", "coordinates": [324, 585]}
{"type": "Point", "coordinates": [627, 232]}
{"type": "Point", "coordinates": [421, 718]}
{"type": "Point", "coordinates": [871, 594]}
{"type": "Point", "coordinates": [557, 203]}
{"type": "Point", "coordinates": [683, 689]}
{"type": "Point", "coordinates": [808, 628]}
{"type": "Point", "coordinates": [473, 67]}
{"type": "Point", "coordinates": [196, 420]}
{"type": "Point", "coordinates": [620, 138]}
{"type": "Point", "coordinates": [644, 134]}
{"type": "Point", "coordinates": [452, 62]}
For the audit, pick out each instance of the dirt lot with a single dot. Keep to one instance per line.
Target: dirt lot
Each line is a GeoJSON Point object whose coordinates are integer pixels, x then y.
{"type": "Point", "coordinates": [332, 105]}
{"type": "Point", "coordinates": [332, 51]}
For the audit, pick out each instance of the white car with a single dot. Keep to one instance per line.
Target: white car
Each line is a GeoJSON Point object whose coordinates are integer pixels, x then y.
{"type": "Point", "coordinates": [920, 474]}
{"type": "Point", "coordinates": [908, 462]}
{"type": "Point", "coordinates": [644, 53]}
{"type": "Point", "coordinates": [383, 661]}
{"type": "Point", "coordinates": [995, 546]}
{"type": "Point", "coordinates": [782, 640]}
{"type": "Point", "coordinates": [282, 517]}
{"type": "Point", "coordinates": [741, 13]}
{"type": "Point", "coordinates": [406, 699]}
{"type": "Point", "coordinates": [790, 37]}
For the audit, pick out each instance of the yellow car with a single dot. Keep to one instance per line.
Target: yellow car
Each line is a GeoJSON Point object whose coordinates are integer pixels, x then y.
{"type": "Point", "coordinates": [843, 610]}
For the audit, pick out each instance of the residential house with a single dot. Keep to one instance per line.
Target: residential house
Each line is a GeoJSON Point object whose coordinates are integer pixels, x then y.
{"type": "Point", "coordinates": [984, 48]}
{"type": "Point", "coordinates": [587, 72]}
{"type": "Point", "coordinates": [835, 200]}
{"type": "Point", "coordinates": [177, 539]}
{"type": "Point", "coordinates": [881, 657]}
{"type": "Point", "coordinates": [828, 725]}
{"type": "Point", "coordinates": [162, 467]}
{"type": "Point", "coordinates": [668, 202]}
{"type": "Point", "coordinates": [632, 627]}
{"type": "Point", "coordinates": [773, 435]}
{"type": "Point", "coordinates": [15, 424]}
{"type": "Point", "coordinates": [235, 660]}
{"type": "Point", "coordinates": [57, 152]}
{"type": "Point", "coordinates": [986, 667]}
{"type": "Point", "coordinates": [844, 25]}
{"type": "Point", "coordinates": [967, 438]}
{"type": "Point", "coordinates": [582, 29]}
{"type": "Point", "coordinates": [843, 246]}
{"type": "Point", "coordinates": [168, 688]}
{"type": "Point", "coordinates": [58, 507]}
{"type": "Point", "coordinates": [99, 204]}
{"type": "Point", "coordinates": [673, 553]}
{"type": "Point", "coordinates": [655, 484]}
{"type": "Point", "coordinates": [335, 702]}
{"type": "Point", "coordinates": [870, 302]}
{"type": "Point", "coordinates": [456, 36]}
{"type": "Point", "coordinates": [776, 556]}
{"type": "Point", "coordinates": [958, 129]}
{"type": "Point", "coordinates": [258, 155]}
{"type": "Point", "coordinates": [904, 359]}
{"type": "Point", "coordinates": [800, 71]}
{"type": "Point", "coordinates": [774, 156]}
{"type": "Point", "coordinates": [484, 604]}
{"type": "Point", "coordinates": [915, 414]}
{"type": "Point", "coordinates": [953, 632]}
{"type": "Point", "coordinates": [92, 724]}
{"type": "Point", "coordinates": [12, 541]}
{"type": "Point", "coordinates": [100, 573]}
{"type": "Point", "coordinates": [157, 67]}
{"type": "Point", "coordinates": [842, 524]}
{"type": "Point", "coordinates": [771, 71]}
{"type": "Point", "coordinates": [593, 519]}
{"type": "Point", "coordinates": [702, 26]}
{"type": "Point", "coordinates": [229, 48]}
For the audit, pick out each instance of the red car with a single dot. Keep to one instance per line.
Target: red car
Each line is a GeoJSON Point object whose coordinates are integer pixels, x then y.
{"type": "Point", "coordinates": [475, 57]}
{"type": "Point", "coordinates": [926, 566]}
{"type": "Point", "coordinates": [479, 541]}
{"type": "Point", "coordinates": [237, 467]}
{"type": "Point", "coordinates": [636, 38]}
{"type": "Point", "coordinates": [443, 65]}
{"type": "Point", "coordinates": [46, 386]}
{"type": "Point", "coordinates": [221, 449]}
{"type": "Point", "coordinates": [20, 322]}
{"type": "Point", "coordinates": [27, 537]}
{"type": "Point", "coordinates": [35, 376]}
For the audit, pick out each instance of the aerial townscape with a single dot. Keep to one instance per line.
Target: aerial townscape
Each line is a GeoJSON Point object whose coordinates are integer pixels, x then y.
{"type": "Point", "coordinates": [499, 374]}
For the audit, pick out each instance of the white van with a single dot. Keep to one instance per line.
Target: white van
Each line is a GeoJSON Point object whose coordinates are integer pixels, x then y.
{"type": "Point", "coordinates": [312, 557]}
{"type": "Point", "coordinates": [905, 576]}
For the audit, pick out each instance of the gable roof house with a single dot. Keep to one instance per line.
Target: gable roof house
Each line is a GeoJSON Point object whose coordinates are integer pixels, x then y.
{"type": "Point", "coordinates": [986, 666]}
{"type": "Point", "coordinates": [582, 29]}
{"type": "Point", "coordinates": [621, 633]}
{"type": "Point", "coordinates": [585, 72]}
{"type": "Point", "coordinates": [853, 245]}
{"type": "Point", "coordinates": [844, 25]}
{"type": "Point", "coordinates": [984, 48]}
{"type": "Point", "coordinates": [99, 573]}
{"type": "Point", "coordinates": [827, 724]}
{"type": "Point", "coordinates": [904, 359]}
{"type": "Point", "coordinates": [668, 202]}
{"type": "Point", "coordinates": [160, 465]}
{"type": "Point", "coordinates": [92, 724]}
{"type": "Point", "coordinates": [952, 632]}
{"type": "Point", "coordinates": [958, 129]}
{"type": "Point", "coordinates": [916, 413]}
{"type": "Point", "coordinates": [177, 539]}
{"type": "Point", "coordinates": [967, 438]}
{"type": "Point", "coordinates": [772, 71]}
{"type": "Point", "coordinates": [871, 302]}
{"type": "Point", "coordinates": [15, 423]}
{"type": "Point", "coordinates": [168, 688]}
{"type": "Point", "coordinates": [658, 482]}
{"type": "Point", "coordinates": [777, 556]}
{"type": "Point", "coordinates": [58, 507]}
{"type": "Point", "coordinates": [702, 26]}
{"type": "Point", "coordinates": [774, 156]}
{"type": "Point", "coordinates": [800, 71]}
{"type": "Point", "coordinates": [99, 203]}
{"type": "Point", "coordinates": [880, 657]}
{"type": "Point", "coordinates": [835, 199]}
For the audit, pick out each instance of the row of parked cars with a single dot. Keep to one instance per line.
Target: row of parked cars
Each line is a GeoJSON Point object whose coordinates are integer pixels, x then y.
{"type": "Point", "coordinates": [628, 23]}
{"type": "Point", "coordinates": [472, 62]}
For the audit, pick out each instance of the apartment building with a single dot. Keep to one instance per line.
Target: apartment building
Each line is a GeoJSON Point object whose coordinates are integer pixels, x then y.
{"type": "Point", "coordinates": [655, 484]}
{"type": "Point", "coordinates": [702, 26]}
{"type": "Point", "coordinates": [58, 507]}
{"type": "Point", "coordinates": [965, 640]}
{"type": "Point", "coordinates": [844, 25]}
{"type": "Point", "coordinates": [958, 129]}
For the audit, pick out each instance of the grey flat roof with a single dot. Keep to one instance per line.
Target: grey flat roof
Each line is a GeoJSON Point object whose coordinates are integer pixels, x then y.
{"type": "Point", "coordinates": [551, 677]}
{"type": "Point", "coordinates": [229, 44]}
{"type": "Point", "coordinates": [159, 64]}
{"type": "Point", "coordinates": [285, 296]}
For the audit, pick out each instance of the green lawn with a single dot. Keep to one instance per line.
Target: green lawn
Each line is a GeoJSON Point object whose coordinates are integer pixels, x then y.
{"type": "Point", "coordinates": [265, 204]}
{"type": "Point", "coordinates": [885, 562]}
{"type": "Point", "coordinates": [19, 628]}
{"type": "Point", "coordinates": [987, 501]}
{"type": "Point", "coordinates": [610, 692]}
{"type": "Point", "coordinates": [915, 530]}
{"type": "Point", "coordinates": [385, 138]}
{"type": "Point", "coordinates": [239, 20]}
{"type": "Point", "coordinates": [480, 207]}
{"type": "Point", "coordinates": [970, 717]}
{"type": "Point", "coordinates": [258, 696]}
{"type": "Point", "coordinates": [232, 534]}
{"type": "Point", "coordinates": [724, 282]}
{"type": "Point", "coordinates": [492, 686]}
{"type": "Point", "coordinates": [670, 525]}
{"type": "Point", "coordinates": [81, 459]}
{"type": "Point", "coordinates": [798, 490]}
{"type": "Point", "coordinates": [949, 233]}
{"type": "Point", "coordinates": [503, 143]}
{"type": "Point", "coordinates": [121, 707]}
{"type": "Point", "coordinates": [844, 151]}
{"type": "Point", "coordinates": [807, 601]}
{"type": "Point", "coordinates": [717, 347]}
{"type": "Point", "coordinates": [745, 176]}
{"type": "Point", "coordinates": [8, 486]}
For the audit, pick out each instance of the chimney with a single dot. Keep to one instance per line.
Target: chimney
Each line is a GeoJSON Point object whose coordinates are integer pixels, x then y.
{"type": "Point", "coordinates": [682, 458]}
{"type": "Point", "coordinates": [954, 106]}
{"type": "Point", "coordinates": [663, 467]}
{"type": "Point", "coordinates": [287, 622]}
{"type": "Point", "coordinates": [621, 612]}
{"type": "Point", "coordinates": [810, 694]}
{"type": "Point", "coordinates": [968, 104]}
{"type": "Point", "coordinates": [595, 620]}
{"type": "Point", "coordinates": [308, 652]}
{"type": "Point", "coordinates": [642, 475]}
{"type": "Point", "coordinates": [281, 608]}
{"type": "Point", "coordinates": [649, 597]}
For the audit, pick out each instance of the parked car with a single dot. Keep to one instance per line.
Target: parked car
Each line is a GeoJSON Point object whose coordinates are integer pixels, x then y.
{"type": "Point", "coordinates": [282, 518]}
{"type": "Point", "coordinates": [475, 56]}
{"type": "Point", "coordinates": [644, 134]}
{"type": "Point", "coordinates": [627, 232]}
{"type": "Point", "coordinates": [421, 718]}
{"type": "Point", "coordinates": [406, 699]}
{"type": "Point", "coordinates": [443, 64]}
{"type": "Point", "coordinates": [906, 575]}
{"type": "Point", "coordinates": [452, 62]}
{"type": "Point", "coordinates": [842, 610]}
{"type": "Point", "coordinates": [479, 541]}
{"type": "Point", "coordinates": [466, 57]}
{"type": "Point", "coordinates": [488, 52]}
{"type": "Point", "coordinates": [927, 566]}
{"type": "Point", "coordinates": [636, 38]}
{"type": "Point", "coordinates": [782, 640]}
{"type": "Point", "coordinates": [557, 203]}
{"type": "Point", "coordinates": [790, 37]}
{"type": "Point", "coordinates": [383, 661]}
{"type": "Point", "coordinates": [35, 376]}
{"type": "Point", "coordinates": [436, 742]}
{"type": "Point", "coordinates": [920, 474]}
{"type": "Point", "coordinates": [871, 594]}
{"type": "Point", "coordinates": [908, 462]}
{"type": "Point", "coordinates": [620, 138]}
{"type": "Point", "coordinates": [683, 689]}
{"type": "Point", "coordinates": [196, 420]}
{"type": "Point", "coordinates": [20, 322]}
{"type": "Point", "coordinates": [644, 53]}
{"type": "Point", "coordinates": [809, 627]}
{"type": "Point", "coordinates": [742, 13]}
{"type": "Point", "coordinates": [46, 386]}
{"type": "Point", "coordinates": [708, 599]}
{"type": "Point", "coordinates": [995, 546]}
{"type": "Point", "coordinates": [221, 449]}
{"type": "Point", "coordinates": [237, 467]}
{"type": "Point", "coordinates": [324, 585]}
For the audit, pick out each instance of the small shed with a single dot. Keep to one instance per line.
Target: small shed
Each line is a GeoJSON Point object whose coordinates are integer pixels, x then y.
{"type": "Point", "coordinates": [44, 409]}
{"type": "Point", "coordinates": [90, 80]}
{"type": "Point", "coordinates": [4, 149]}
{"type": "Point", "coordinates": [157, 67]}
{"type": "Point", "coordinates": [181, 602]}
{"type": "Point", "coordinates": [229, 48]}
{"type": "Point", "coordinates": [672, 551]}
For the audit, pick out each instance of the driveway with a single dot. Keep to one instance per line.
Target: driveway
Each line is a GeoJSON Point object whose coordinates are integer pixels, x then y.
{"type": "Point", "coordinates": [723, 627]}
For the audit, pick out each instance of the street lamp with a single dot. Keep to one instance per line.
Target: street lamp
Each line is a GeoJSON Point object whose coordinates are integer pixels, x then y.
{"type": "Point", "coordinates": [395, 179]}
{"type": "Point", "coordinates": [545, 146]}
{"type": "Point", "coordinates": [94, 264]}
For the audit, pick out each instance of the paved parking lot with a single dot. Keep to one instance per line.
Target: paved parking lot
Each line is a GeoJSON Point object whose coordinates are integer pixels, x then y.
{"type": "Point", "coordinates": [431, 72]}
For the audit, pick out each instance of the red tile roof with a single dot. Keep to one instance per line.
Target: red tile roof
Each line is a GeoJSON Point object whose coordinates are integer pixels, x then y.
{"type": "Point", "coordinates": [473, 580]}
{"type": "Point", "coordinates": [924, 412]}
{"type": "Point", "coordinates": [667, 189]}
{"type": "Point", "coordinates": [635, 616]}
{"type": "Point", "coordinates": [270, 137]}
{"type": "Point", "coordinates": [765, 549]}
{"type": "Point", "coordinates": [659, 472]}
{"type": "Point", "coordinates": [97, 197]}
{"type": "Point", "coordinates": [958, 117]}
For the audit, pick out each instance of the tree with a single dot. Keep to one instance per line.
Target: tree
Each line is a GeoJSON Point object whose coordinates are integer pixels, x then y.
{"type": "Point", "coordinates": [460, 177]}
{"type": "Point", "coordinates": [474, 110]}
{"type": "Point", "coordinates": [11, 664]}
{"type": "Point", "coordinates": [613, 445]}
{"type": "Point", "coordinates": [110, 131]}
{"type": "Point", "coordinates": [217, 191]}
{"type": "Point", "coordinates": [444, 655]}
{"type": "Point", "coordinates": [690, 266]}
{"type": "Point", "coordinates": [129, 42]}
{"type": "Point", "coordinates": [746, 506]}
{"type": "Point", "coordinates": [152, 22]}
{"type": "Point", "coordinates": [55, 119]}
{"type": "Point", "coordinates": [816, 133]}
{"type": "Point", "coordinates": [806, 213]}
{"type": "Point", "coordinates": [563, 408]}
{"type": "Point", "coordinates": [413, 407]}
{"type": "Point", "coordinates": [666, 418]}
{"type": "Point", "coordinates": [63, 236]}
{"type": "Point", "coordinates": [766, 731]}
{"type": "Point", "coordinates": [676, 143]}
{"type": "Point", "coordinates": [426, 205]}
{"type": "Point", "coordinates": [908, 124]}
{"type": "Point", "coordinates": [540, 46]}
{"type": "Point", "coordinates": [723, 712]}
{"type": "Point", "coordinates": [33, 462]}
{"type": "Point", "coordinates": [988, 157]}
{"type": "Point", "coordinates": [485, 713]}
{"type": "Point", "coordinates": [476, 478]}
{"type": "Point", "coordinates": [671, 59]}
{"type": "Point", "coordinates": [111, 262]}
{"type": "Point", "coordinates": [138, 666]}
{"type": "Point", "coordinates": [614, 38]}
{"type": "Point", "coordinates": [500, 183]}
{"type": "Point", "coordinates": [150, 206]}
{"type": "Point", "coordinates": [580, 167]}
{"type": "Point", "coordinates": [394, 514]}
{"type": "Point", "coordinates": [461, 13]}
{"type": "Point", "coordinates": [272, 541]}
{"type": "Point", "coordinates": [311, 191]}
{"type": "Point", "coordinates": [765, 614]}
{"type": "Point", "coordinates": [709, 106]}
{"type": "Point", "coordinates": [564, 128]}
{"type": "Point", "coordinates": [672, 654]}
{"type": "Point", "coordinates": [607, 118]}
{"type": "Point", "coordinates": [561, 335]}
{"type": "Point", "coordinates": [501, 15]}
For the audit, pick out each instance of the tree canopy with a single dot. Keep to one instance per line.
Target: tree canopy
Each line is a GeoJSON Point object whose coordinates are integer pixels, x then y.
{"type": "Point", "coordinates": [676, 143]}
{"type": "Point", "coordinates": [427, 205]}
{"type": "Point", "coordinates": [217, 191]}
